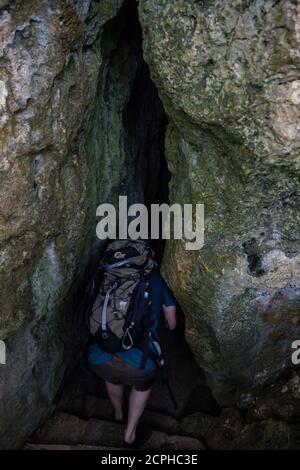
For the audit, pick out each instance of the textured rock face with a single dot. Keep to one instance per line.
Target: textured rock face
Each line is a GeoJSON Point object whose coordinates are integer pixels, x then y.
{"type": "Point", "coordinates": [64, 429]}
{"type": "Point", "coordinates": [279, 401]}
{"type": "Point", "coordinates": [66, 81]}
{"type": "Point", "coordinates": [51, 57]}
{"type": "Point", "coordinates": [229, 77]}
{"type": "Point", "coordinates": [267, 435]}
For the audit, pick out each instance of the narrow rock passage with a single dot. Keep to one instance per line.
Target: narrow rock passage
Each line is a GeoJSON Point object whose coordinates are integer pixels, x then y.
{"type": "Point", "coordinates": [128, 99]}
{"type": "Point", "coordinates": [82, 415]}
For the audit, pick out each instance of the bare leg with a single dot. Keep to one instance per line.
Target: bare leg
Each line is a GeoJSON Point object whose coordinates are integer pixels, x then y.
{"type": "Point", "coordinates": [137, 403]}
{"type": "Point", "coordinates": [115, 393]}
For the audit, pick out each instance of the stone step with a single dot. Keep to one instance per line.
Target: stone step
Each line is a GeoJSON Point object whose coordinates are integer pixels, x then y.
{"type": "Point", "coordinates": [161, 422]}
{"type": "Point", "coordinates": [216, 432]}
{"type": "Point", "coordinates": [162, 441]}
{"type": "Point", "coordinates": [89, 406]}
{"type": "Point", "coordinates": [66, 429]}
{"type": "Point", "coordinates": [67, 447]}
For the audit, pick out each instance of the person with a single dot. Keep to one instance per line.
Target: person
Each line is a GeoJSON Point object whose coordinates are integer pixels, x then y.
{"type": "Point", "coordinates": [123, 368]}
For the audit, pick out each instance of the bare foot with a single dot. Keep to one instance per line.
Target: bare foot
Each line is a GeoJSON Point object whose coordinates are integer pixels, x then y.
{"type": "Point", "coordinates": [129, 437]}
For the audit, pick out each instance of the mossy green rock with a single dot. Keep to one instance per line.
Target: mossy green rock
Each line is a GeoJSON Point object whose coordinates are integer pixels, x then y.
{"type": "Point", "coordinates": [54, 171]}
{"type": "Point", "coordinates": [228, 75]}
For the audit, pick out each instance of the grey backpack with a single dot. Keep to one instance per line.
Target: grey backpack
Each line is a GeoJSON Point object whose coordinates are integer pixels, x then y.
{"type": "Point", "coordinates": [120, 314]}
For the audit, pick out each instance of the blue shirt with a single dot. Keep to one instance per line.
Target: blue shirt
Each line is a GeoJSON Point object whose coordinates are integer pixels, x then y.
{"type": "Point", "coordinates": [160, 294]}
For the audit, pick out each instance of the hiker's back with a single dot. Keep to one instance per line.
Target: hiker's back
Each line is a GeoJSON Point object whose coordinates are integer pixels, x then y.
{"type": "Point", "coordinates": [159, 295]}
{"type": "Point", "coordinates": [125, 316]}
{"type": "Point", "coordinates": [119, 315]}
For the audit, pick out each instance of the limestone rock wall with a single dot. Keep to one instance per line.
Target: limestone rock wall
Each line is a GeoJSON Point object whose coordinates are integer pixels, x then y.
{"type": "Point", "coordinates": [228, 74]}
{"type": "Point", "coordinates": [61, 155]}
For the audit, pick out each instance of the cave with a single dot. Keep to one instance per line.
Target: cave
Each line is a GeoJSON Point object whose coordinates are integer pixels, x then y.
{"type": "Point", "coordinates": [161, 101]}
{"type": "Point", "coordinates": [145, 122]}
{"type": "Point", "coordinates": [124, 88]}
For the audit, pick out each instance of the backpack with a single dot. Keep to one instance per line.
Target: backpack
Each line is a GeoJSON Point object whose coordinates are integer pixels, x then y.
{"type": "Point", "coordinates": [119, 314]}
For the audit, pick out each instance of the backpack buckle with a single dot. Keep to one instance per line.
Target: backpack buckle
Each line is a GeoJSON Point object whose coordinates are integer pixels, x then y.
{"type": "Point", "coordinates": [127, 333]}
